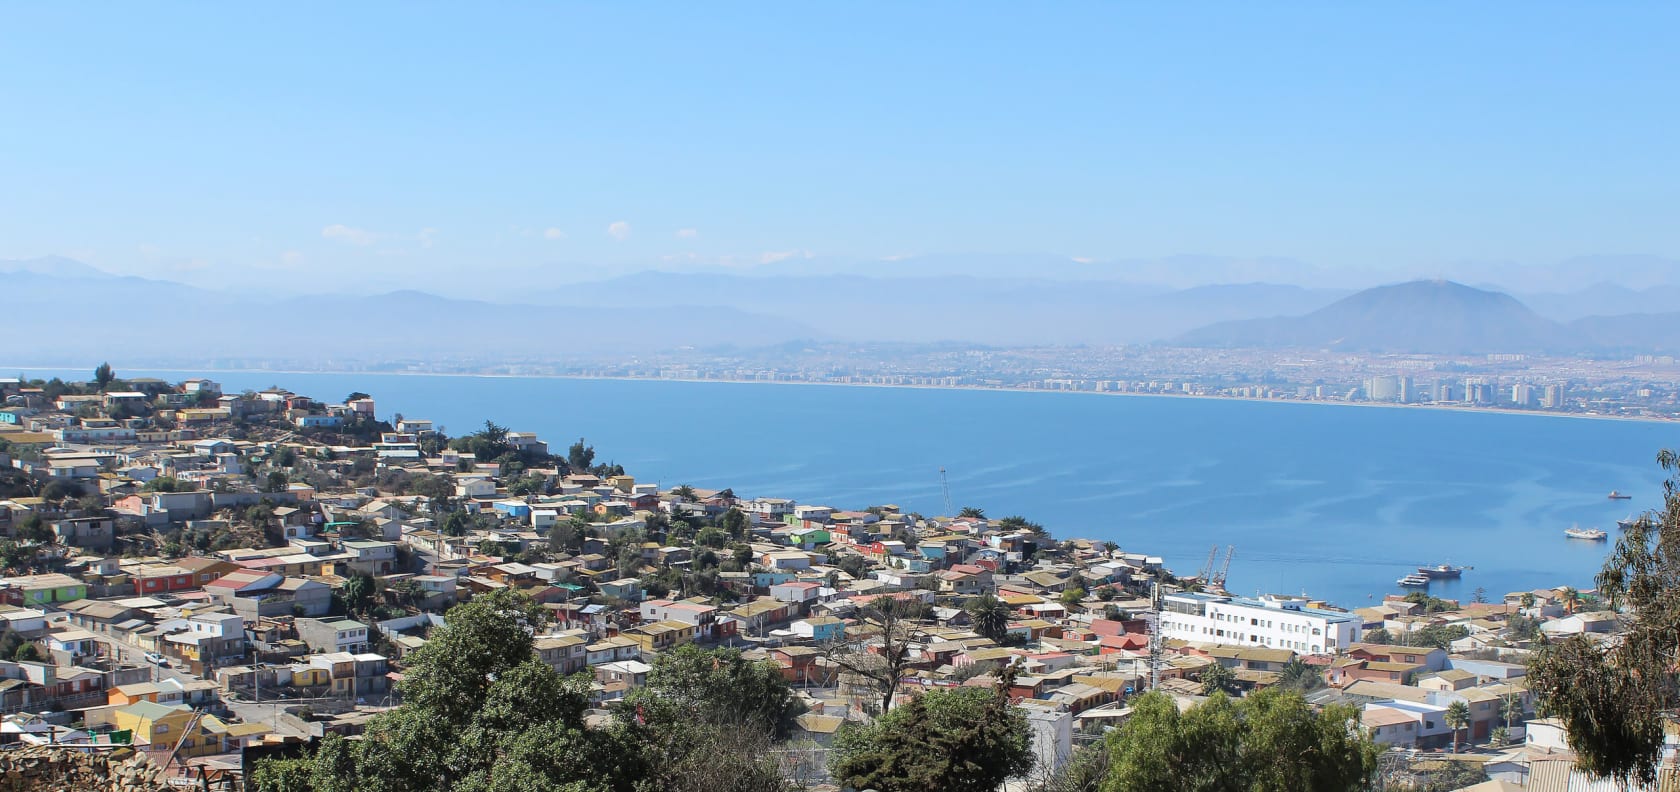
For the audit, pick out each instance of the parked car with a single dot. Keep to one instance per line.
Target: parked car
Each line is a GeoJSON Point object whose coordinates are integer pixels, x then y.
{"type": "Point", "coordinates": [156, 659]}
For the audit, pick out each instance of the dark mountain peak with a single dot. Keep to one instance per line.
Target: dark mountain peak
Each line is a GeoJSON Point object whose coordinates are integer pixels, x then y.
{"type": "Point", "coordinates": [1423, 316]}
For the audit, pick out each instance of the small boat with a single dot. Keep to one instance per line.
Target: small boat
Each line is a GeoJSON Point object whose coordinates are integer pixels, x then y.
{"type": "Point", "coordinates": [1627, 523]}
{"type": "Point", "coordinates": [1413, 581]}
{"type": "Point", "coordinates": [1441, 571]}
{"type": "Point", "coordinates": [1590, 534]}
{"type": "Point", "coordinates": [1616, 495]}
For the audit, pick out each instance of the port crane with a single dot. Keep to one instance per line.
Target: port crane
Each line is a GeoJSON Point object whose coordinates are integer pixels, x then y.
{"type": "Point", "coordinates": [1225, 568]}
{"type": "Point", "coordinates": [1207, 566]}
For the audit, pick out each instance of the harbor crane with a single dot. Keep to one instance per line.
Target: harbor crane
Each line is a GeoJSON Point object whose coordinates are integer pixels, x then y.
{"type": "Point", "coordinates": [1207, 566]}
{"type": "Point", "coordinates": [1225, 568]}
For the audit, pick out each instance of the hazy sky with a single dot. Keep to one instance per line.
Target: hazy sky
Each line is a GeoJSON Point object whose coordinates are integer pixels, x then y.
{"type": "Point", "coordinates": [441, 144]}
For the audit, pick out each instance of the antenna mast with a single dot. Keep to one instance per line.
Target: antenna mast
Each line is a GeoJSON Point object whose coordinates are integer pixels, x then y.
{"type": "Point", "coordinates": [945, 488]}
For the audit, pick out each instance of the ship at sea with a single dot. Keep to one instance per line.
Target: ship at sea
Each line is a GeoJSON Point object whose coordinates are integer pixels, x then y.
{"type": "Point", "coordinates": [1590, 534]}
{"type": "Point", "coordinates": [1629, 522]}
{"type": "Point", "coordinates": [1442, 572]}
{"type": "Point", "coordinates": [1617, 495]}
{"type": "Point", "coordinates": [1413, 581]}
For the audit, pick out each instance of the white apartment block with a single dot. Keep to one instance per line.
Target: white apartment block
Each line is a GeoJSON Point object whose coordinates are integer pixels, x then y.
{"type": "Point", "coordinates": [1272, 622]}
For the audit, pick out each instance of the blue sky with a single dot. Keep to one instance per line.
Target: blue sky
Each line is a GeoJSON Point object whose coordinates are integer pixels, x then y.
{"type": "Point", "coordinates": [455, 147]}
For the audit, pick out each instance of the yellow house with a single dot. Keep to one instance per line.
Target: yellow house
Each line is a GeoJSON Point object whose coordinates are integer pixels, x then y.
{"type": "Point", "coordinates": [123, 695]}
{"type": "Point", "coordinates": [163, 727]}
{"type": "Point", "coordinates": [310, 676]}
{"type": "Point", "coordinates": [660, 635]}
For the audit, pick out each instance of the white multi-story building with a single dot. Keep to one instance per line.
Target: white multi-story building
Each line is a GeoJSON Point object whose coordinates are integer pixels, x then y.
{"type": "Point", "coordinates": [1273, 622]}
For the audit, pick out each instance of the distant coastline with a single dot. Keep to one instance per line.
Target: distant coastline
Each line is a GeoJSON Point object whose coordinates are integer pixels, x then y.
{"type": "Point", "coordinates": [986, 388]}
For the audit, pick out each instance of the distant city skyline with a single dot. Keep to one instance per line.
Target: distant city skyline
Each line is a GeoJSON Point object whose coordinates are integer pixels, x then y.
{"type": "Point", "coordinates": [473, 150]}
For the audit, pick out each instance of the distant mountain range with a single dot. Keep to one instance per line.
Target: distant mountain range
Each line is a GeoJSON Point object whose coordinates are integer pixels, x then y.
{"type": "Point", "coordinates": [653, 311]}
{"type": "Point", "coordinates": [78, 317]}
{"type": "Point", "coordinates": [1439, 317]}
{"type": "Point", "coordinates": [996, 311]}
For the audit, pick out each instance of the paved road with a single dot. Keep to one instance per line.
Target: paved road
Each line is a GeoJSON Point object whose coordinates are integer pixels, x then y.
{"type": "Point", "coordinates": [248, 711]}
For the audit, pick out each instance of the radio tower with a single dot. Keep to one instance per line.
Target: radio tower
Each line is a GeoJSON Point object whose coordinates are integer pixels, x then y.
{"type": "Point", "coordinates": [945, 487]}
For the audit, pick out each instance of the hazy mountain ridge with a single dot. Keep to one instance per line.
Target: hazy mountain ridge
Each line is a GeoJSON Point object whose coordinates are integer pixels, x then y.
{"type": "Point", "coordinates": [1002, 311]}
{"type": "Point", "coordinates": [1440, 317]}
{"type": "Point", "coordinates": [655, 310]}
{"type": "Point", "coordinates": [162, 320]}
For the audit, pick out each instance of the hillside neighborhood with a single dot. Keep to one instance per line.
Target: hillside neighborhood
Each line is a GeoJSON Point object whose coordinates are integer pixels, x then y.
{"type": "Point", "coordinates": [209, 577]}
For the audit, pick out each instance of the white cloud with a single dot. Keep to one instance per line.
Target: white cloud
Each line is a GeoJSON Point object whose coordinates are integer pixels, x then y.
{"type": "Point", "coordinates": [343, 233]}
{"type": "Point", "coordinates": [555, 233]}
{"type": "Point", "coordinates": [619, 230]}
{"type": "Point", "coordinates": [773, 256]}
{"type": "Point", "coordinates": [427, 236]}
{"type": "Point", "coordinates": [1083, 259]}
{"type": "Point", "coordinates": [687, 233]}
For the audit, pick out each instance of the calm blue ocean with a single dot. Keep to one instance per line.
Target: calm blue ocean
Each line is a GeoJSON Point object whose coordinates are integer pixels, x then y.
{"type": "Point", "coordinates": [1333, 501]}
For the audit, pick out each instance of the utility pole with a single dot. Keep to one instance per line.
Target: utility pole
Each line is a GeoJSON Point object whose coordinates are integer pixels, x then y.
{"type": "Point", "coordinates": [1155, 635]}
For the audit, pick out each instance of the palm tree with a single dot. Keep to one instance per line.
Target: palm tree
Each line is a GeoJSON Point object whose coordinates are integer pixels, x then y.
{"type": "Point", "coordinates": [1457, 717]}
{"type": "Point", "coordinates": [1571, 598]}
{"type": "Point", "coordinates": [990, 615]}
{"type": "Point", "coordinates": [1527, 600]}
{"type": "Point", "coordinates": [1300, 676]}
{"type": "Point", "coordinates": [1216, 678]}
{"type": "Point", "coordinates": [1511, 707]}
{"type": "Point", "coordinates": [972, 512]}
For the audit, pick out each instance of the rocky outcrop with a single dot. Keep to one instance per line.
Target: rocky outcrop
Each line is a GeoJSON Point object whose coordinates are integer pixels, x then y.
{"type": "Point", "coordinates": [50, 769]}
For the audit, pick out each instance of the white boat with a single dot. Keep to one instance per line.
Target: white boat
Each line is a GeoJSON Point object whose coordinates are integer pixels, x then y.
{"type": "Point", "coordinates": [1618, 495]}
{"type": "Point", "coordinates": [1590, 534]}
{"type": "Point", "coordinates": [1413, 581]}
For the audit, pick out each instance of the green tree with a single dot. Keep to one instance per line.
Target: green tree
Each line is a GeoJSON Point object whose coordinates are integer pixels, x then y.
{"type": "Point", "coordinates": [1511, 708]}
{"type": "Point", "coordinates": [734, 522]}
{"type": "Point", "coordinates": [1072, 597]}
{"type": "Point", "coordinates": [34, 530]}
{"type": "Point", "coordinates": [685, 493]}
{"type": "Point", "coordinates": [355, 396]}
{"type": "Point", "coordinates": [713, 537]}
{"type": "Point", "coordinates": [1379, 636]}
{"type": "Point", "coordinates": [1216, 678]}
{"type": "Point", "coordinates": [1301, 677]}
{"type": "Point", "coordinates": [1613, 698]}
{"type": "Point", "coordinates": [277, 481]}
{"type": "Point", "coordinates": [990, 616]}
{"type": "Point", "coordinates": [580, 455]}
{"type": "Point", "coordinates": [27, 653]}
{"type": "Point", "coordinates": [1016, 522]}
{"type": "Point", "coordinates": [164, 484]}
{"type": "Point", "coordinates": [358, 593]}
{"type": "Point", "coordinates": [103, 375]}
{"type": "Point", "coordinates": [480, 712]}
{"type": "Point", "coordinates": [972, 512]}
{"type": "Point", "coordinates": [718, 686]}
{"type": "Point", "coordinates": [1571, 599]}
{"type": "Point", "coordinates": [1272, 741]}
{"type": "Point", "coordinates": [1457, 718]}
{"type": "Point", "coordinates": [456, 523]}
{"type": "Point", "coordinates": [956, 740]}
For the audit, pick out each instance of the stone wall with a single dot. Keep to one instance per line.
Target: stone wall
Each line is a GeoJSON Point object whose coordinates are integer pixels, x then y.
{"type": "Point", "coordinates": [50, 769]}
